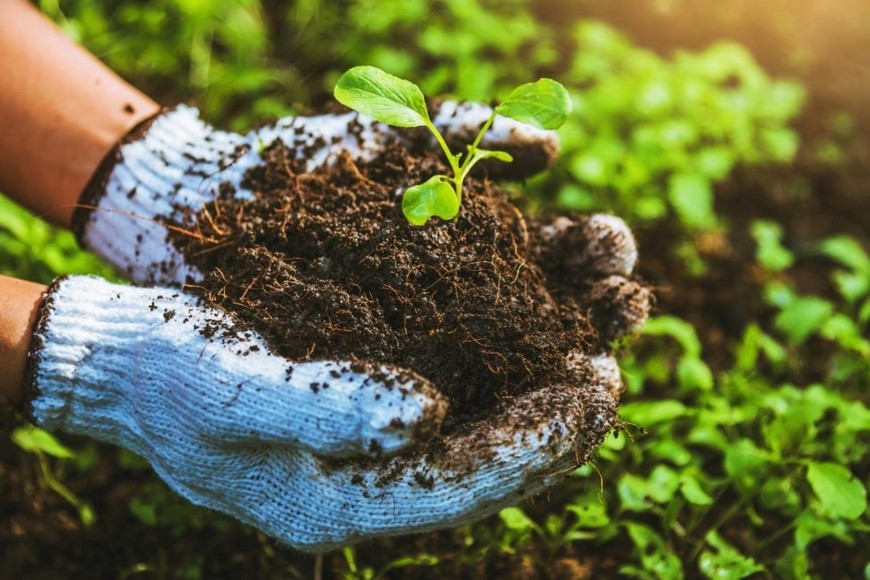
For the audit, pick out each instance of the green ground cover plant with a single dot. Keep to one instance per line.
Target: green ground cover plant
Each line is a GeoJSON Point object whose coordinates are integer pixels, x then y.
{"type": "Point", "coordinates": [744, 449]}
{"type": "Point", "coordinates": [655, 135]}
{"type": "Point", "coordinates": [34, 250]}
{"type": "Point", "coordinates": [727, 474]}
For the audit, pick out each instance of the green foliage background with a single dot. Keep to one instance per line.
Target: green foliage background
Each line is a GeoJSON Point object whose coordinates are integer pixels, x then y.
{"type": "Point", "coordinates": [729, 463]}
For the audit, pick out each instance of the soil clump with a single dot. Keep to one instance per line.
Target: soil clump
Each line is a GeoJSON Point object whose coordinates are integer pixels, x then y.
{"type": "Point", "coordinates": [324, 265]}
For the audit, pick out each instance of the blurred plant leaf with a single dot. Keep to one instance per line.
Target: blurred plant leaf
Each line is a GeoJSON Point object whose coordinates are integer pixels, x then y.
{"type": "Point", "coordinates": [724, 561]}
{"type": "Point", "coordinates": [840, 493]}
{"type": "Point", "coordinates": [33, 439]}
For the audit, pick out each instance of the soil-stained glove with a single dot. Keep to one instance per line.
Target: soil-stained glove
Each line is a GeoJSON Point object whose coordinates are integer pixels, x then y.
{"type": "Point", "coordinates": [174, 163]}
{"type": "Point", "coordinates": [155, 371]}
{"type": "Point", "coordinates": [597, 255]}
{"type": "Point", "coordinates": [277, 444]}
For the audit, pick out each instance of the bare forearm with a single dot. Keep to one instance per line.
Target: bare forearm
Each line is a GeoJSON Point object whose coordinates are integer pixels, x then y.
{"type": "Point", "coordinates": [61, 110]}
{"type": "Point", "coordinates": [19, 302]}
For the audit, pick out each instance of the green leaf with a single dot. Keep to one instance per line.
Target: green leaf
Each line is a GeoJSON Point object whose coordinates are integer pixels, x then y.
{"type": "Point", "coordinates": [846, 333]}
{"type": "Point", "coordinates": [726, 561]}
{"type": "Point", "coordinates": [405, 561]}
{"type": "Point", "coordinates": [840, 493]}
{"type": "Point", "coordinates": [793, 564]}
{"type": "Point", "coordinates": [663, 483]}
{"type": "Point", "coordinates": [590, 168]}
{"type": "Point", "coordinates": [489, 154]}
{"type": "Point", "coordinates": [34, 439]}
{"type": "Point", "coordinates": [656, 557]}
{"type": "Point", "coordinates": [435, 197]}
{"type": "Point", "coordinates": [544, 104]}
{"type": "Point", "coordinates": [573, 197]}
{"type": "Point", "coordinates": [793, 422]}
{"type": "Point", "coordinates": [691, 489]}
{"type": "Point", "coordinates": [770, 253]}
{"type": "Point", "coordinates": [846, 250]}
{"type": "Point", "coordinates": [516, 519]}
{"type": "Point", "coordinates": [382, 96]}
{"type": "Point", "coordinates": [647, 413]}
{"type": "Point", "coordinates": [691, 194]}
{"type": "Point", "coordinates": [745, 463]}
{"type": "Point", "coordinates": [864, 312]}
{"type": "Point", "coordinates": [14, 219]}
{"type": "Point", "coordinates": [708, 435]}
{"type": "Point", "coordinates": [350, 557]}
{"type": "Point", "coordinates": [590, 511]}
{"type": "Point", "coordinates": [780, 143]}
{"type": "Point", "coordinates": [553, 525]}
{"type": "Point", "coordinates": [778, 494]}
{"type": "Point", "coordinates": [811, 527]}
{"type": "Point", "coordinates": [633, 493]}
{"type": "Point", "coordinates": [693, 373]}
{"type": "Point", "coordinates": [802, 317]}
{"type": "Point", "coordinates": [678, 329]}
{"type": "Point", "coordinates": [755, 342]}
{"type": "Point", "coordinates": [667, 449]}
{"type": "Point", "coordinates": [145, 512]}
{"type": "Point", "coordinates": [852, 285]}
{"type": "Point", "coordinates": [715, 162]}
{"type": "Point", "coordinates": [87, 515]}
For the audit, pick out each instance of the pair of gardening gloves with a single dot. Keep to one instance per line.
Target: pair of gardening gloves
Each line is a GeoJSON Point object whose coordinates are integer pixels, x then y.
{"type": "Point", "coordinates": [231, 426]}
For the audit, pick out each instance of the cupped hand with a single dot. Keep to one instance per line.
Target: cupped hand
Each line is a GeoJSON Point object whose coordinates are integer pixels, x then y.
{"type": "Point", "coordinates": [205, 402]}
{"type": "Point", "coordinates": [318, 498]}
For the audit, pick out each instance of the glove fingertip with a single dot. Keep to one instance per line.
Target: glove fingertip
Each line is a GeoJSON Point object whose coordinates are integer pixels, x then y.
{"type": "Point", "coordinates": [619, 307]}
{"type": "Point", "coordinates": [599, 244]}
{"type": "Point", "coordinates": [401, 407]}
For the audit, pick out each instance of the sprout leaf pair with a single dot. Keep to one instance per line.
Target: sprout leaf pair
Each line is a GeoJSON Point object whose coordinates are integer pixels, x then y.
{"type": "Point", "coordinates": [544, 104]}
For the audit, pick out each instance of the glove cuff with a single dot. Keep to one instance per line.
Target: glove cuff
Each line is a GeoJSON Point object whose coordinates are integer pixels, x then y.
{"type": "Point", "coordinates": [93, 192]}
{"type": "Point", "coordinates": [166, 167]}
{"type": "Point", "coordinates": [83, 351]}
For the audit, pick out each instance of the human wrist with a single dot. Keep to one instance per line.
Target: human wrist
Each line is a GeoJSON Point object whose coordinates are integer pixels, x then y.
{"type": "Point", "coordinates": [61, 110]}
{"type": "Point", "coordinates": [19, 302]}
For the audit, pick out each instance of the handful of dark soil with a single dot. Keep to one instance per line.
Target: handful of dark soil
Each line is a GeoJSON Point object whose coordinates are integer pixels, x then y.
{"type": "Point", "coordinates": [325, 266]}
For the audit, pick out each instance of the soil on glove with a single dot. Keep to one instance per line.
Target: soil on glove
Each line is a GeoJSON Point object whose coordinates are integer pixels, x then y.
{"type": "Point", "coordinates": [325, 266]}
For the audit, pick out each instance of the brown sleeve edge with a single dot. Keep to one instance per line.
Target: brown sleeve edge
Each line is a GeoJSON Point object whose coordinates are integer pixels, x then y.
{"type": "Point", "coordinates": [90, 197]}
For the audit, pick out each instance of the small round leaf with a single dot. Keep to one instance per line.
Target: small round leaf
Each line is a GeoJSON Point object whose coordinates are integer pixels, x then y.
{"type": "Point", "coordinates": [544, 104]}
{"type": "Point", "coordinates": [435, 197]}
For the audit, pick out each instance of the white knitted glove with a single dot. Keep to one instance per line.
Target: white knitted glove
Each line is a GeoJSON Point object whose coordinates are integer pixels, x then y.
{"type": "Point", "coordinates": [157, 372]}
{"type": "Point", "coordinates": [299, 493]}
{"type": "Point", "coordinates": [231, 427]}
{"type": "Point", "coordinates": [174, 163]}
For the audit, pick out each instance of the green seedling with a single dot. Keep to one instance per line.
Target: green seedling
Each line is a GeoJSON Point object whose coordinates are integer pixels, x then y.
{"type": "Point", "coordinates": [544, 104]}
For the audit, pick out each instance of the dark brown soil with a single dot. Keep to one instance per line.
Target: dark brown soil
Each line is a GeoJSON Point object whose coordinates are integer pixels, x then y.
{"type": "Point", "coordinates": [325, 266]}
